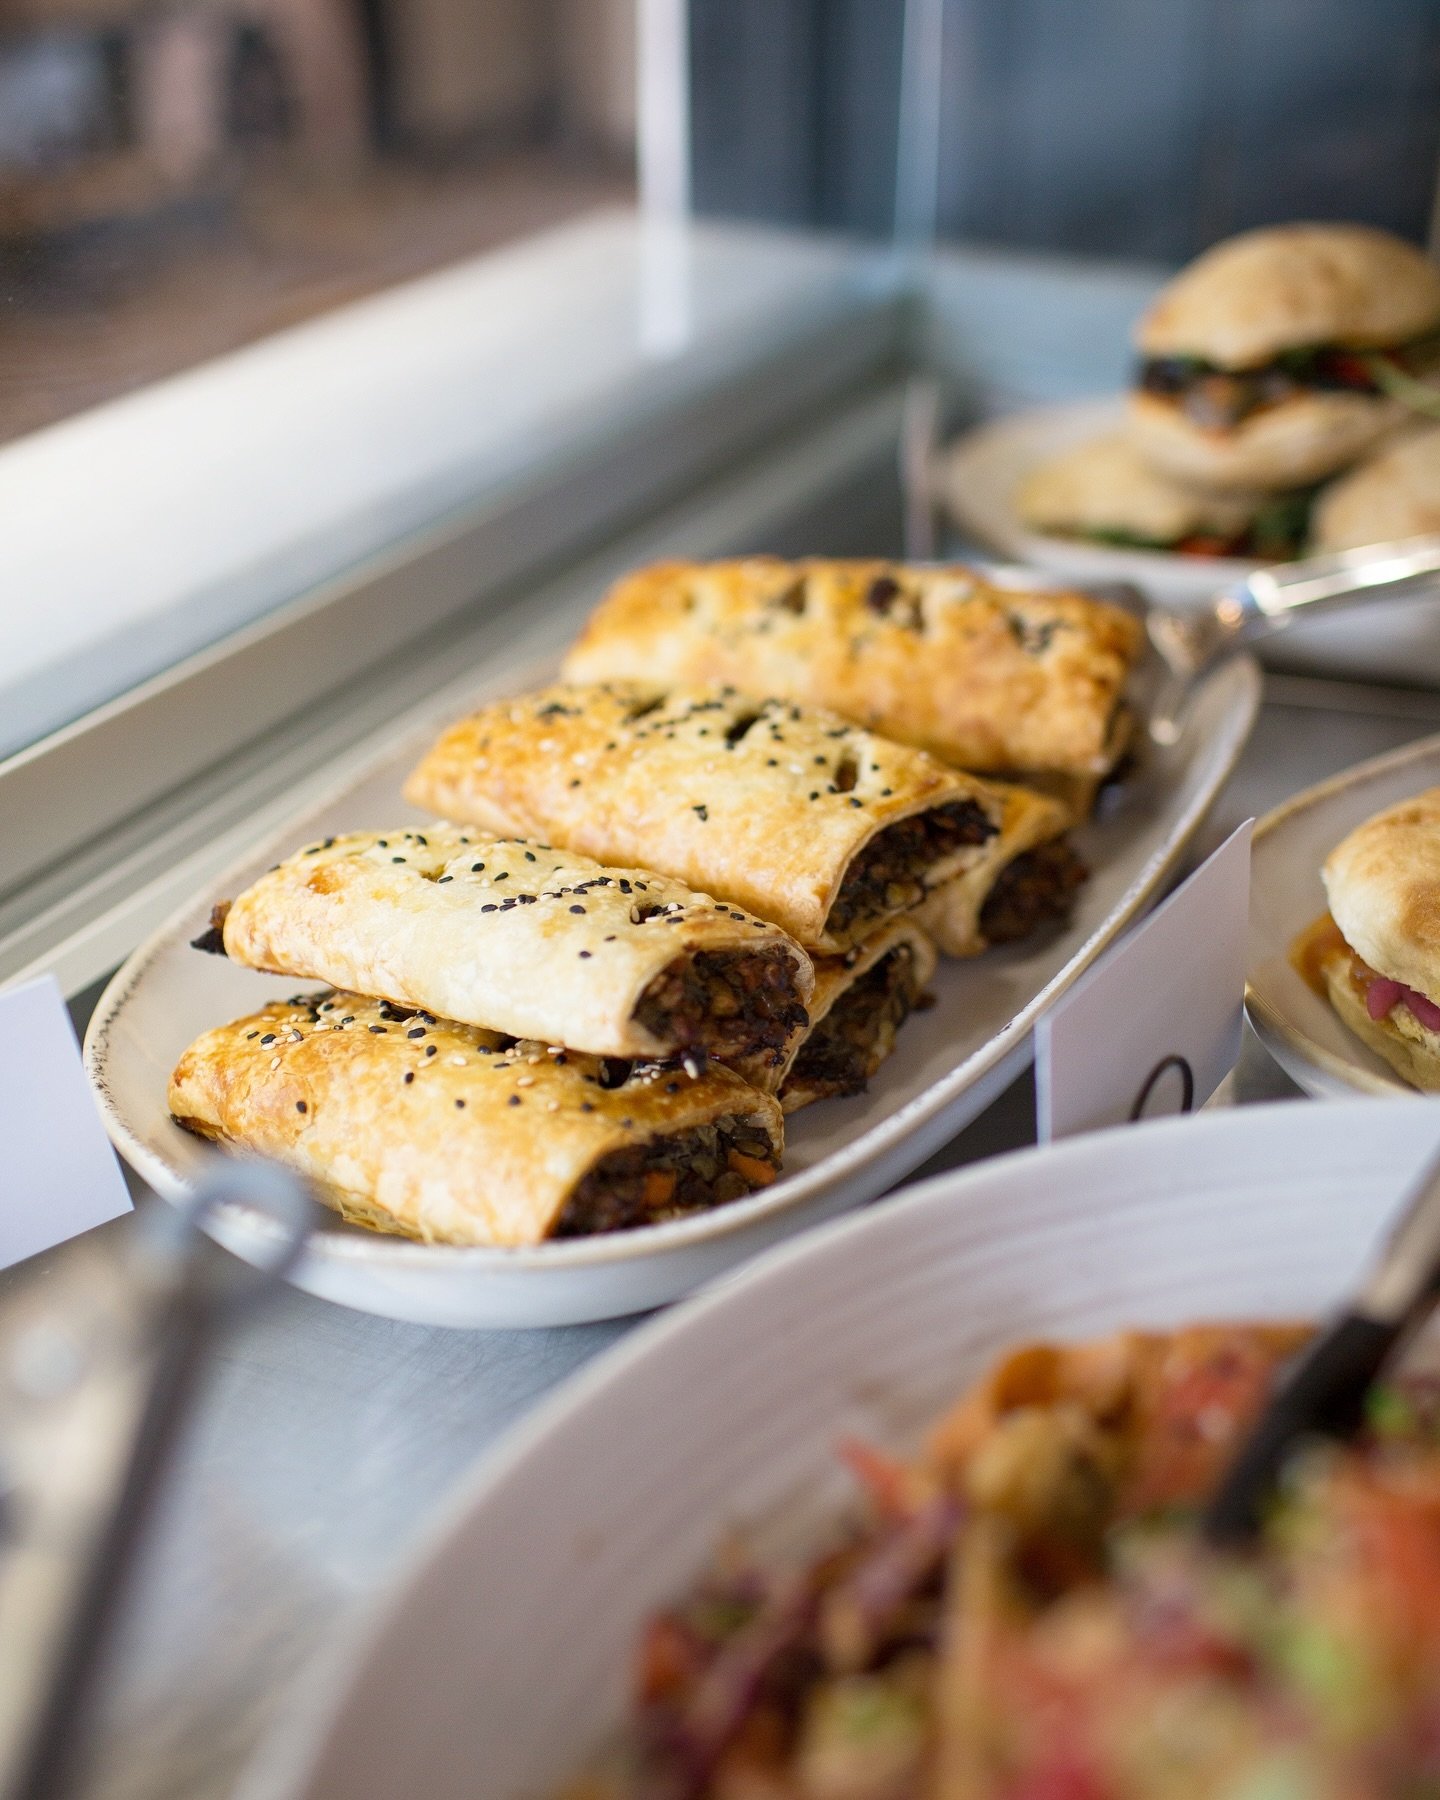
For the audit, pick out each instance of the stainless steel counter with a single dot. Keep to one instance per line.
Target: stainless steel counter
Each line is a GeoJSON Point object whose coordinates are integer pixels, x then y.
{"type": "Point", "coordinates": [328, 1438]}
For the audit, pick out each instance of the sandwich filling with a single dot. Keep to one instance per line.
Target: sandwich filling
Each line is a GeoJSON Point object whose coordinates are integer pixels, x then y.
{"type": "Point", "coordinates": [1276, 533]}
{"type": "Point", "coordinates": [668, 1177]}
{"type": "Point", "coordinates": [731, 1004]}
{"type": "Point", "coordinates": [1382, 995]}
{"type": "Point", "coordinates": [858, 1033]}
{"type": "Point", "coordinates": [1218, 399]}
{"type": "Point", "coordinates": [891, 873]}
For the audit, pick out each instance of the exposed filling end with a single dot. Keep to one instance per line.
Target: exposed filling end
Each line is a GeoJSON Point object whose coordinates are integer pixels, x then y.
{"type": "Point", "coordinates": [1037, 887]}
{"type": "Point", "coordinates": [858, 1033]}
{"type": "Point", "coordinates": [729, 1003]}
{"type": "Point", "coordinates": [669, 1177]}
{"type": "Point", "coordinates": [212, 941]}
{"type": "Point", "coordinates": [889, 873]}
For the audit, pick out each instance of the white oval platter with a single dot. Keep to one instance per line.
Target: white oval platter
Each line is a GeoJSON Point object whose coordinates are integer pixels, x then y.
{"type": "Point", "coordinates": [950, 1063]}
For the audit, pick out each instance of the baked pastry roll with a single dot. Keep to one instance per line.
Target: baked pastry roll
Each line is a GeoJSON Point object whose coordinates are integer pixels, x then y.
{"type": "Point", "coordinates": [1376, 953]}
{"type": "Point", "coordinates": [987, 678]}
{"type": "Point", "coordinates": [457, 1135]}
{"type": "Point", "coordinates": [536, 942]}
{"type": "Point", "coordinates": [861, 1001]}
{"type": "Point", "coordinates": [1026, 876]}
{"type": "Point", "coordinates": [792, 813]}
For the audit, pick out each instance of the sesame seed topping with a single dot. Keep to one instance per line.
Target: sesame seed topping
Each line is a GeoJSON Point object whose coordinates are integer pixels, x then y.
{"type": "Point", "coordinates": [269, 1038]}
{"type": "Point", "coordinates": [514, 1100]}
{"type": "Point", "coordinates": [409, 1076]}
{"type": "Point", "coordinates": [584, 955]}
{"type": "Point", "coordinates": [459, 1106]}
{"type": "Point", "coordinates": [417, 1032]}
{"type": "Point", "coordinates": [301, 1107]}
{"type": "Point", "coordinates": [577, 909]}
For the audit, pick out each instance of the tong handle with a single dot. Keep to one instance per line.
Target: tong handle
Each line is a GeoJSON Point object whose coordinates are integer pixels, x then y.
{"type": "Point", "coordinates": [1326, 1390]}
{"type": "Point", "coordinates": [1270, 599]}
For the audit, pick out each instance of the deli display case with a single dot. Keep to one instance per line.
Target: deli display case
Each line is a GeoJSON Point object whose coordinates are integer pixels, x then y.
{"type": "Point", "coordinates": [248, 582]}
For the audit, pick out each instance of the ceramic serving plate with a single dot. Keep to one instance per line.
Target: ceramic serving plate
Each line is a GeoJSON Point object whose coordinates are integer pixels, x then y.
{"type": "Point", "coordinates": [499, 1660]}
{"type": "Point", "coordinates": [1300, 1030]}
{"type": "Point", "coordinates": [950, 1063]}
{"type": "Point", "coordinates": [1394, 640]}
{"type": "Point", "coordinates": [982, 473]}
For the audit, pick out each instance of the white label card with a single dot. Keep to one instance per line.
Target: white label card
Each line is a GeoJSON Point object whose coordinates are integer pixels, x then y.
{"type": "Point", "coordinates": [1154, 1028]}
{"type": "Point", "coordinates": [58, 1174]}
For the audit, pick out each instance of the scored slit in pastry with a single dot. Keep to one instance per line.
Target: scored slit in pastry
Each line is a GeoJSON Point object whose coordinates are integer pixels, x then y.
{"type": "Point", "coordinates": [456, 1135]}
{"type": "Point", "coordinates": [529, 940]}
{"type": "Point", "coordinates": [1375, 955]}
{"type": "Point", "coordinates": [790, 812]}
{"type": "Point", "coordinates": [992, 679]}
{"type": "Point", "coordinates": [861, 1001]}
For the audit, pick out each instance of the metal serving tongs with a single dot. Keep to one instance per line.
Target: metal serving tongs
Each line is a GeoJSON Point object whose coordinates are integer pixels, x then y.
{"type": "Point", "coordinates": [1324, 1394]}
{"type": "Point", "coordinates": [1271, 600]}
{"type": "Point", "coordinates": [96, 1374]}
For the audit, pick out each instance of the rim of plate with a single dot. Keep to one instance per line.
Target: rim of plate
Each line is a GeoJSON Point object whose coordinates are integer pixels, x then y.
{"type": "Point", "coordinates": [1267, 1020]}
{"type": "Point", "coordinates": [788, 1192]}
{"type": "Point", "coordinates": [981, 441]}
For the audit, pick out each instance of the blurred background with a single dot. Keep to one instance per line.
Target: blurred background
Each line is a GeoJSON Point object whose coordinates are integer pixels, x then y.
{"type": "Point", "coordinates": [178, 179]}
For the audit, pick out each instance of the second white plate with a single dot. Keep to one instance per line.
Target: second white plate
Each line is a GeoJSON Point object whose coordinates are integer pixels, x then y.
{"type": "Point", "coordinates": [1299, 1029]}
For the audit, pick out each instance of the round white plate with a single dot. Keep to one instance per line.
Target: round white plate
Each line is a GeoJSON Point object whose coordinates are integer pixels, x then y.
{"type": "Point", "coordinates": [949, 1064]}
{"type": "Point", "coordinates": [1299, 1029]}
{"type": "Point", "coordinates": [1391, 640]}
{"type": "Point", "coordinates": [499, 1660]}
{"type": "Point", "coordinates": [981, 474]}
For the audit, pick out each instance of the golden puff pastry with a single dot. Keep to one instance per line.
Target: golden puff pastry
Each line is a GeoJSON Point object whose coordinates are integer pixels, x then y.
{"type": "Point", "coordinates": [861, 1001]}
{"type": "Point", "coordinates": [457, 1135]}
{"type": "Point", "coordinates": [991, 679]}
{"type": "Point", "coordinates": [1026, 876]}
{"type": "Point", "coordinates": [537, 942]}
{"type": "Point", "coordinates": [792, 813]}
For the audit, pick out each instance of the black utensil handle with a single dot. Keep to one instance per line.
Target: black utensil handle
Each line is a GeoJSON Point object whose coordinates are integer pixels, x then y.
{"type": "Point", "coordinates": [1325, 1394]}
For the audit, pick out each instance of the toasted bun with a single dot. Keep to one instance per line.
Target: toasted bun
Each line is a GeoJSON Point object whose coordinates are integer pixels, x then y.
{"type": "Point", "coordinates": [1105, 485]}
{"type": "Point", "coordinates": [1384, 887]}
{"type": "Point", "coordinates": [1289, 287]}
{"type": "Point", "coordinates": [1394, 494]}
{"type": "Point", "coordinates": [1291, 444]}
{"type": "Point", "coordinates": [1411, 1050]}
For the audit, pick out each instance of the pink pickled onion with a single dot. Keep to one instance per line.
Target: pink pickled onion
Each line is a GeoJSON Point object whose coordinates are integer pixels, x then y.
{"type": "Point", "coordinates": [1383, 996]}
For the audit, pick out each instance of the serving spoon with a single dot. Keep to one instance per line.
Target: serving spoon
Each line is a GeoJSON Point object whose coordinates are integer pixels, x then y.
{"type": "Point", "coordinates": [1324, 1393]}
{"type": "Point", "coordinates": [1271, 600]}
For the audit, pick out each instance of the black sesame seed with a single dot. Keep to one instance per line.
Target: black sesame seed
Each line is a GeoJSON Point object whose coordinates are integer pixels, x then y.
{"type": "Point", "coordinates": [502, 876]}
{"type": "Point", "coordinates": [577, 909]}
{"type": "Point", "coordinates": [379, 1030]}
{"type": "Point", "coordinates": [269, 1038]}
{"type": "Point", "coordinates": [349, 1019]}
{"type": "Point", "coordinates": [459, 1106]}
{"type": "Point", "coordinates": [418, 1032]}
{"type": "Point", "coordinates": [301, 1107]}
{"type": "Point", "coordinates": [514, 1100]}
{"type": "Point", "coordinates": [409, 1076]}
{"type": "Point", "coordinates": [586, 1106]}
{"type": "Point", "coordinates": [443, 879]}
{"type": "Point", "coordinates": [771, 763]}
{"type": "Point", "coordinates": [251, 1034]}
{"type": "Point", "coordinates": [584, 956]}
{"type": "Point", "coordinates": [575, 782]}
{"type": "Point", "coordinates": [490, 907]}
{"type": "Point", "coordinates": [855, 802]}
{"type": "Point", "coordinates": [529, 856]}
{"type": "Point", "coordinates": [815, 796]}
{"type": "Point", "coordinates": [702, 812]}
{"type": "Point", "coordinates": [397, 859]}
{"type": "Point", "coordinates": [430, 1049]}
{"type": "Point", "coordinates": [477, 868]}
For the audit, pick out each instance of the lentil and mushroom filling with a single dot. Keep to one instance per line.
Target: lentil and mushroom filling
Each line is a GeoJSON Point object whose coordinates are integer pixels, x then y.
{"type": "Point", "coordinates": [889, 874]}
{"type": "Point", "coordinates": [858, 1033]}
{"type": "Point", "coordinates": [729, 1003]}
{"type": "Point", "coordinates": [692, 1171]}
{"type": "Point", "coordinates": [1037, 888]}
